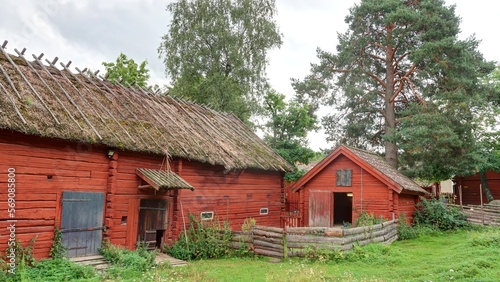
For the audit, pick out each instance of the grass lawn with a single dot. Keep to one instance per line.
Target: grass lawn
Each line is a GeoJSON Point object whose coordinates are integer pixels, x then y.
{"type": "Point", "coordinates": [459, 256]}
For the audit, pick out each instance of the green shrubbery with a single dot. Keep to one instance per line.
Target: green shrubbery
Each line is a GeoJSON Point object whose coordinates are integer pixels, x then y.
{"type": "Point", "coordinates": [437, 215]}
{"type": "Point", "coordinates": [126, 262]}
{"type": "Point", "coordinates": [367, 219]}
{"type": "Point", "coordinates": [202, 240]}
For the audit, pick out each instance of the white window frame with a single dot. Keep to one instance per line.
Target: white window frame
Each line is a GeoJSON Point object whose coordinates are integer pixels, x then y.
{"type": "Point", "coordinates": [264, 211]}
{"type": "Point", "coordinates": [204, 213]}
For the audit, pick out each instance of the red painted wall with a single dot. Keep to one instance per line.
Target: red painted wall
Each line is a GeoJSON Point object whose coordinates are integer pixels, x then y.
{"type": "Point", "coordinates": [470, 188]}
{"type": "Point", "coordinates": [47, 167]}
{"type": "Point", "coordinates": [369, 193]}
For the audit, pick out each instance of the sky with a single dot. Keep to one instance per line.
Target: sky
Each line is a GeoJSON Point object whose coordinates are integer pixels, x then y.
{"type": "Point", "coordinates": [89, 32]}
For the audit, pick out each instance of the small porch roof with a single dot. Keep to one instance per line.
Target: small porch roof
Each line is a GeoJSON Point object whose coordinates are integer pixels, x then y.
{"type": "Point", "coordinates": [163, 179]}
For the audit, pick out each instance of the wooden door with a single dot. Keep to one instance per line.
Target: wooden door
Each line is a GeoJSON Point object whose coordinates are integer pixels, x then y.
{"type": "Point", "coordinates": [320, 208]}
{"type": "Point", "coordinates": [152, 221]}
{"type": "Point", "coordinates": [81, 224]}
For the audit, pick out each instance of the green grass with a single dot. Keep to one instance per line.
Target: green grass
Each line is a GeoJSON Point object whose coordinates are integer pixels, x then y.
{"type": "Point", "coordinates": [453, 256]}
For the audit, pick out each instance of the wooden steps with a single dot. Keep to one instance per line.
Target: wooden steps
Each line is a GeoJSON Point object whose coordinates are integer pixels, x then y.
{"type": "Point", "coordinates": [162, 258]}
{"type": "Point", "coordinates": [98, 262]}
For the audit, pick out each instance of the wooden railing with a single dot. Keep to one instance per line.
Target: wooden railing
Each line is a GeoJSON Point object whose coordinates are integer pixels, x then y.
{"type": "Point", "coordinates": [483, 215]}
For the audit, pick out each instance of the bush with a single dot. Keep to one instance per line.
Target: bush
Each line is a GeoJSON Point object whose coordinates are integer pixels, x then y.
{"type": "Point", "coordinates": [59, 270]}
{"type": "Point", "coordinates": [437, 215]}
{"type": "Point", "coordinates": [367, 219]}
{"type": "Point", "coordinates": [405, 230]}
{"type": "Point", "coordinates": [126, 262]}
{"type": "Point", "coordinates": [202, 240]}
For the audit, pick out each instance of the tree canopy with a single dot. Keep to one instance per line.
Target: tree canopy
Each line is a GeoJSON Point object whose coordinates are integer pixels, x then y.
{"type": "Point", "coordinates": [215, 52]}
{"type": "Point", "coordinates": [127, 71]}
{"type": "Point", "coordinates": [286, 129]}
{"type": "Point", "coordinates": [402, 80]}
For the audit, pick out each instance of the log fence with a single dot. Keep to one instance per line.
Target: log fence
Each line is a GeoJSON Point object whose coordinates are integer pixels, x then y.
{"type": "Point", "coordinates": [296, 241]}
{"type": "Point", "coordinates": [483, 215]}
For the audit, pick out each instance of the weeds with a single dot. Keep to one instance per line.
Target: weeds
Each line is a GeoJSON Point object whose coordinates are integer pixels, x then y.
{"type": "Point", "coordinates": [367, 219]}
{"type": "Point", "coordinates": [58, 250]}
{"type": "Point", "coordinates": [202, 240]}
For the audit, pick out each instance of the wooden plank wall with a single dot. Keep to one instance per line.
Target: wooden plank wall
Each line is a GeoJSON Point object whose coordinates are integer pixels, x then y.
{"type": "Point", "coordinates": [44, 169]}
{"type": "Point", "coordinates": [470, 188]}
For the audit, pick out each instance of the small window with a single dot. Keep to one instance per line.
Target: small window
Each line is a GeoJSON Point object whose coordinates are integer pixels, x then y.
{"type": "Point", "coordinates": [207, 215]}
{"type": "Point", "coordinates": [344, 177]}
{"type": "Point", "coordinates": [264, 211]}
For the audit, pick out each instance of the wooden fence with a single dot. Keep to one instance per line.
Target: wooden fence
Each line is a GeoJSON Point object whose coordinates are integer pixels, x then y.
{"type": "Point", "coordinates": [484, 215]}
{"type": "Point", "coordinates": [296, 241]}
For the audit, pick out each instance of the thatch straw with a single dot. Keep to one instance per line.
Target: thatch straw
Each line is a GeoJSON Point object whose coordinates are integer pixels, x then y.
{"type": "Point", "coordinates": [43, 100]}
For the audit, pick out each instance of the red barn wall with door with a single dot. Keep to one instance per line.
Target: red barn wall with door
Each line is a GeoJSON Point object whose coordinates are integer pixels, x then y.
{"type": "Point", "coordinates": [45, 168]}
{"type": "Point", "coordinates": [369, 193]}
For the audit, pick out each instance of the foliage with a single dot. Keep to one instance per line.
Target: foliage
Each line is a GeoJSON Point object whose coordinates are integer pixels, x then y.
{"type": "Point", "coordinates": [126, 262]}
{"type": "Point", "coordinates": [23, 254]}
{"type": "Point", "coordinates": [248, 224]}
{"type": "Point", "coordinates": [287, 128]}
{"type": "Point", "coordinates": [401, 79]}
{"type": "Point", "coordinates": [488, 238]}
{"type": "Point", "coordinates": [127, 71]}
{"type": "Point", "coordinates": [215, 52]}
{"type": "Point", "coordinates": [435, 214]}
{"type": "Point", "coordinates": [367, 219]}
{"type": "Point", "coordinates": [202, 240]}
{"type": "Point", "coordinates": [57, 250]}
{"type": "Point", "coordinates": [405, 230]}
{"type": "Point", "coordinates": [60, 269]}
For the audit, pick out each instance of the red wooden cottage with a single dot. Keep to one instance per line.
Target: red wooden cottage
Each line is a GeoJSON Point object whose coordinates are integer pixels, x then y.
{"type": "Point", "coordinates": [468, 190]}
{"type": "Point", "coordinates": [351, 181]}
{"type": "Point", "coordinates": [100, 160]}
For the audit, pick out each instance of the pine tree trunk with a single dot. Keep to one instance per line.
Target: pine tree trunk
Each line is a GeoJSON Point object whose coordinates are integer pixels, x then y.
{"type": "Point", "coordinates": [486, 188]}
{"type": "Point", "coordinates": [391, 150]}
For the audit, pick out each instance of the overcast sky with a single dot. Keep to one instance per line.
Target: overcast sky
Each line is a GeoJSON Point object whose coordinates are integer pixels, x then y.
{"type": "Point", "coordinates": [89, 32]}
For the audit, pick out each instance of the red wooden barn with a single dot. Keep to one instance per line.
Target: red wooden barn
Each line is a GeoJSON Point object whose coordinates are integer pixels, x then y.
{"type": "Point", "coordinates": [105, 161]}
{"type": "Point", "coordinates": [470, 188]}
{"type": "Point", "coordinates": [350, 181]}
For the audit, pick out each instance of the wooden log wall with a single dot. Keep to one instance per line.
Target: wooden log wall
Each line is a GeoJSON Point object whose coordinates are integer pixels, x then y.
{"type": "Point", "coordinates": [296, 241]}
{"type": "Point", "coordinates": [470, 188]}
{"type": "Point", "coordinates": [44, 169]}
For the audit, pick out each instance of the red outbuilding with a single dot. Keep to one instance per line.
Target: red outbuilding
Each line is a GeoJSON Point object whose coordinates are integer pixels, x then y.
{"type": "Point", "coordinates": [349, 182]}
{"type": "Point", "coordinates": [469, 189]}
{"type": "Point", "coordinates": [105, 161]}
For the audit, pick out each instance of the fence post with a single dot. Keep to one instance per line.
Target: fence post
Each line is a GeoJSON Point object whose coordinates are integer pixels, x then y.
{"type": "Point", "coordinates": [285, 248]}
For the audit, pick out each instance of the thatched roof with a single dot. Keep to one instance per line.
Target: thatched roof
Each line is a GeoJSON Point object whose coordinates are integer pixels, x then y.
{"type": "Point", "coordinates": [39, 99]}
{"type": "Point", "coordinates": [373, 163]}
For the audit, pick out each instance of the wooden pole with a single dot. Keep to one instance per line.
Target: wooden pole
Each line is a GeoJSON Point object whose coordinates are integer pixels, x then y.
{"type": "Point", "coordinates": [460, 191]}
{"type": "Point", "coordinates": [481, 197]}
{"type": "Point", "coordinates": [184, 222]}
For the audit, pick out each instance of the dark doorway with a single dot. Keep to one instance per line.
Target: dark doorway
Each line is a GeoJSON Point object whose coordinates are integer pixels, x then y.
{"type": "Point", "coordinates": [342, 208]}
{"type": "Point", "coordinates": [152, 222]}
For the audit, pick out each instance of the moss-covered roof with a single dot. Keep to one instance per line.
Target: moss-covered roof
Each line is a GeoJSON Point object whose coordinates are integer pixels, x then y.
{"type": "Point", "coordinates": [163, 179]}
{"type": "Point", "coordinates": [39, 99]}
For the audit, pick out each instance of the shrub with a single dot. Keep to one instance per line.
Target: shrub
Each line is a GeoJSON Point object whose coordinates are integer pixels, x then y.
{"type": "Point", "coordinates": [59, 270]}
{"type": "Point", "coordinates": [126, 260]}
{"type": "Point", "coordinates": [367, 219]}
{"type": "Point", "coordinates": [405, 230]}
{"type": "Point", "coordinates": [58, 250]}
{"type": "Point", "coordinates": [437, 215]}
{"type": "Point", "coordinates": [202, 240]}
